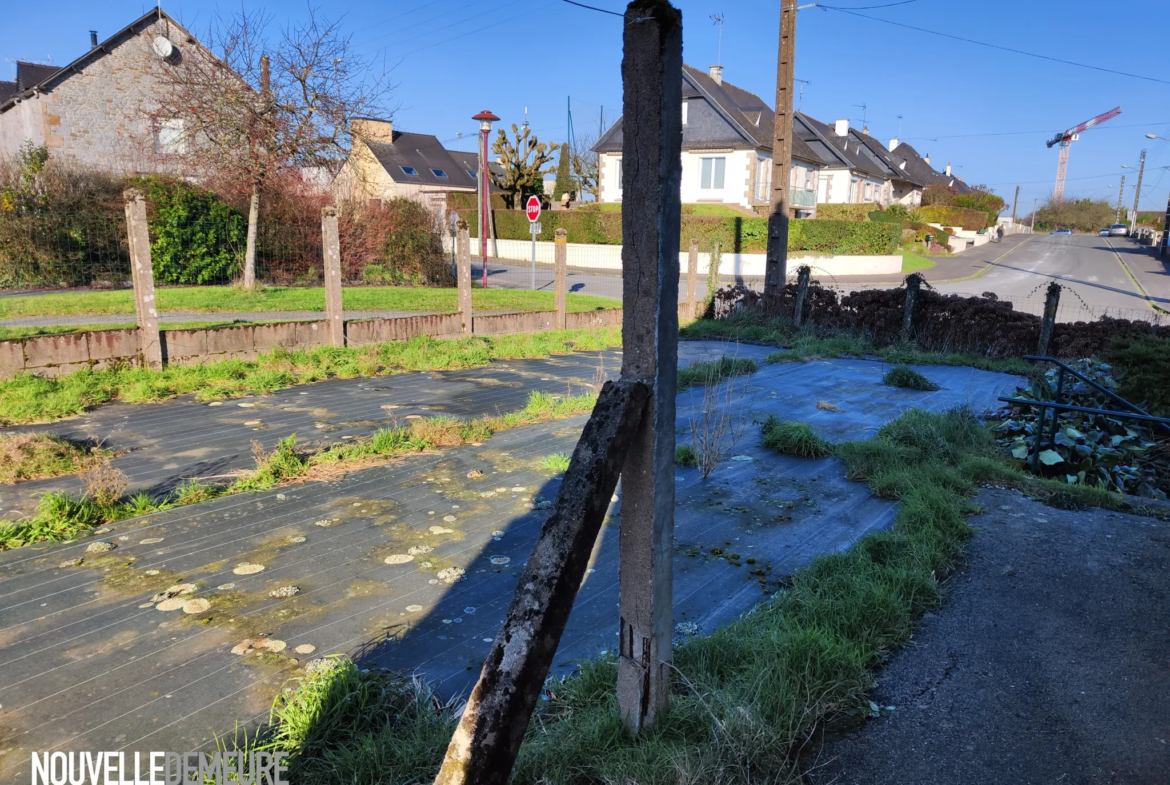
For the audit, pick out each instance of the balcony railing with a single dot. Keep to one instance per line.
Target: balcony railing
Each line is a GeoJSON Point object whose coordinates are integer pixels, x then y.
{"type": "Point", "coordinates": [804, 197]}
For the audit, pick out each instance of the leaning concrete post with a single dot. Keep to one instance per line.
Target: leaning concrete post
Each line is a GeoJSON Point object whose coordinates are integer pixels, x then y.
{"type": "Point", "coordinates": [913, 284]}
{"type": "Point", "coordinates": [463, 273]}
{"type": "Point", "coordinates": [652, 136]}
{"type": "Point", "coordinates": [692, 276]}
{"type": "Point", "coordinates": [1048, 322]}
{"type": "Point", "coordinates": [331, 243]}
{"type": "Point", "coordinates": [561, 260]}
{"type": "Point", "coordinates": [142, 274]}
{"type": "Point", "coordinates": [802, 275]}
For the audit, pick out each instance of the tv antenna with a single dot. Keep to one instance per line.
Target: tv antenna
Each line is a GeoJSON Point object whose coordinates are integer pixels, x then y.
{"type": "Point", "coordinates": [800, 99]}
{"type": "Point", "coordinates": [899, 126]}
{"type": "Point", "coordinates": [718, 20]}
{"type": "Point", "coordinates": [864, 109]}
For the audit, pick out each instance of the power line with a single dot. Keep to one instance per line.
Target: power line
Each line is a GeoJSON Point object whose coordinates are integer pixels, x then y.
{"type": "Point", "coordinates": [593, 8]}
{"type": "Point", "coordinates": [992, 46]}
{"type": "Point", "coordinates": [1024, 133]}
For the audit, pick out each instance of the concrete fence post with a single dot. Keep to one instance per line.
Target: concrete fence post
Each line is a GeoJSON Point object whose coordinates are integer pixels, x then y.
{"type": "Point", "coordinates": [652, 135]}
{"type": "Point", "coordinates": [802, 275]}
{"type": "Point", "coordinates": [913, 285]}
{"type": "Point", "coordinates": [693, 276]}
{"type": "Point", "coordinates": [331, 244]}
{"type": "Point", "coordinates": [463, 273]}
{"type": "Point", "coordinates": [142, 274]}
{"type": "Point", "coordinates": [1048, 321]}
{"type": "Point", "coordinates": [561, 260]}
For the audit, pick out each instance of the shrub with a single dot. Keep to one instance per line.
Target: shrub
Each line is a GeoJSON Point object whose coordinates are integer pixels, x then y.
{"type": "Point", "coordinates": [970, 220]}
{"type": "Point", "coordinates": [392, 242]}
{"type": "Point", "coordinates": [195, 237]}
{"type": "Point", "coordinates": [844, 212]}
{"type": "Point", "coordinates": [878, 216]}
{"type": "Point", "coordinates": [938, 194]}
{"type": "Point", "coordinates": [981, 198]}
{"type": "Point", "coordinates": [1146, 364]}
{"type": "Point", "coordinates": [908, 378]}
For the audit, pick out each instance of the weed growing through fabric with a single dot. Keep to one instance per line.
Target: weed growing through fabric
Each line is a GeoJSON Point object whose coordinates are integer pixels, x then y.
{"type": "Point", "coordinates": [906, 377]}
{"type": "Point", "coordinates": [34, 456]}
{"type": "Point", "coordinates": [794, 438]}
{"type": "Point", "coordinates": [702, 373]}
{"type": "Point", "coordinates": [719, 425]}
{"type": "Point", "coordinates": [28, 398]}
{"type": "Point", "coordinates": [557, 464]}
{"type": "Point", "coordinates": [684, 455]}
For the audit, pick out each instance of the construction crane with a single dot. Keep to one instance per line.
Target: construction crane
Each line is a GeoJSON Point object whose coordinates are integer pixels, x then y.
{"type": "Point", "coordinates": [1065, 140]}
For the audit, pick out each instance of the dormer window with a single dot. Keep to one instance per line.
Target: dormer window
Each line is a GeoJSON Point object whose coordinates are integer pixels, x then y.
{"type": "Point", "coordinates": [410, 170]}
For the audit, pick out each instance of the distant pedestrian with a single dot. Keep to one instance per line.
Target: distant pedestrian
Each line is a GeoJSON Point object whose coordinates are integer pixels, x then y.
{"type": "Point", "coordinates": [999, 233]}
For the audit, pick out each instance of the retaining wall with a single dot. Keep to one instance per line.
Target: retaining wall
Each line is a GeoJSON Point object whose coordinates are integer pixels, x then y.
{"type": "Point", "coordinates": [51, 355]}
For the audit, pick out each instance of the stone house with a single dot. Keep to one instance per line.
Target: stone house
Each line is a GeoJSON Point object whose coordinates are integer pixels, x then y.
{"type": "Point", "coordinates": [97, 110]}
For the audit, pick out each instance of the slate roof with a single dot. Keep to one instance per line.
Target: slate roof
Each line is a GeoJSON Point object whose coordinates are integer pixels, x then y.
{"type": "Point", "coordinates": [844, 151]}
{"type": "Point", "coordinates": [895, 166]}
{"type": "Point", "coordinates": [470, 161]}
{"type": "Point", "coordinates": [7, 90]}
{"type": "Point", "coordinates": [424, 154]}
{"type": "Point", "coordinates": [924, 173]}
{"type": "Point", "coordinates": [746, 112]}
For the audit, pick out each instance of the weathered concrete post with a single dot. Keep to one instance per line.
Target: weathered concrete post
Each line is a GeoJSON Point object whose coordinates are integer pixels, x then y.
{"type": "Point", "coordinates": [913, 285]}
{"type": "Point", "coordinates": [652, 136]}
{"type": "Point", "coordinates": [1048, 321]}
{"type": "Point", "coordinates": [693, 276]}
{"type": "Point", "coordinates": [463, 272]}
{"type": "Point", "coordinates": [561, 260]}
{"type": "Point", "coordinates": [802, 275]}
{"type": "Point", "coordinates": [331, 244]}
{"type": "Point", "coordinates": [142, 274]}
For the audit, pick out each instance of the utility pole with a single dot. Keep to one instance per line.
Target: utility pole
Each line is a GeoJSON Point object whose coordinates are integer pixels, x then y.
{"type": "Point", "coordinates": [1137, 194]}
{"type": "Point", "coordinates": [777, 258]}
{"type": "Point", "coordinates": [1032, 228]}
{"type": "Point", "coordinates": [1120, 196]}
{"type": "Point", "coordinates": [1015, 201]}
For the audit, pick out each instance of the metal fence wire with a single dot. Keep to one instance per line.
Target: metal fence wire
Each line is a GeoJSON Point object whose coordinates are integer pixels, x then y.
{"type": "Point", "coordinates": [52, 250]}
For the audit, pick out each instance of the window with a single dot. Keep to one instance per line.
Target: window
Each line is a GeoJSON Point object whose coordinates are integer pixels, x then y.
{"type": "Point", "coordinates": [711, 174]}
{"type": "Point", "coordinates": [684, 111]}
{"type": "Point", "coordinates": [618, 166]}
{"type": "Point", "coordinates": [438, 173]}
{"type": "Point", "coordinates": [169, 137]}
{"type": "Point", "coordinates": [472, 172]}
{"type": "Point", "coordinates": [410, 170]}
{"type": "Point", "coordinates": [763, 179]}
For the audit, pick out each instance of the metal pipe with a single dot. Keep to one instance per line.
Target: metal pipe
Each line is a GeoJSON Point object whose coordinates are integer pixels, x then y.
{"type": "Point", "coordinates": [1064, 407]}
{"type": "Point", "coordinates": [1087, 381]}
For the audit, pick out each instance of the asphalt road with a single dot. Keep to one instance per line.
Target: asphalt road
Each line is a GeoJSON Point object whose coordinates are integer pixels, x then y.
{"type": "Point", "coordinates": [1089, 268]}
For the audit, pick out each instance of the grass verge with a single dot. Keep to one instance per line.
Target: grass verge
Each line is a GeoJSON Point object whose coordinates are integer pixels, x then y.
{"type": "Point", "coordinates": [35, 456]}
{"type": "Point", "coordinates": [28, 398]}
{"type": "Point", "coordinates": [912, 262]}
{"type": "Point", "coordinates": [907, 378]}
{"type": "Point", "coordinates": [744, 697]}
{"type": "Point", "coordinates": [703, 373]}
{"type": "Point", "coordinates": [60, 516]}
{"type": "Point", "coordinates": [212, 299]}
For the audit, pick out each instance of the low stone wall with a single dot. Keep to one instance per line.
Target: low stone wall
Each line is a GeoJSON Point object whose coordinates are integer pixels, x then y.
{"type": "Point", "coordinates": [52, 355]}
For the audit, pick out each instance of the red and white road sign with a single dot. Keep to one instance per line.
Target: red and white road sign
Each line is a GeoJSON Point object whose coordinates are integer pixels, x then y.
{"type": "Point", "coordinates": [532, 209]}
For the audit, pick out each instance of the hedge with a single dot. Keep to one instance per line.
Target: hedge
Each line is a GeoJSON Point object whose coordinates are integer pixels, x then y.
{"type": "Point", "coordinates": [844, 212]}
{"type": "Point", "coordinates": [971, 220]}
{"type": "Point", "coordinates": [734, 235]}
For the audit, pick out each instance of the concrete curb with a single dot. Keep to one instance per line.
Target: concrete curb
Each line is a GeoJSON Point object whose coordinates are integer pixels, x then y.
{"type": "Point", "coordinates": [1146, 295]}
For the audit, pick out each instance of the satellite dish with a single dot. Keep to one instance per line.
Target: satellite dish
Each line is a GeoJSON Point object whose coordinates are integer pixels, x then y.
{"type": "Point", "coordinates": [162, 47]}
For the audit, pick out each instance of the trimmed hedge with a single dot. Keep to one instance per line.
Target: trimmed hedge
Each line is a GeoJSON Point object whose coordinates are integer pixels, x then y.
{"type": "Point", "coordinates": [844, 212]}
{"type": "Point", "coordinates": [971, 220]}
{"type": "Point", "coordinates": [734, 235]}
{"type": "Point", "coordinates": [878, 216]}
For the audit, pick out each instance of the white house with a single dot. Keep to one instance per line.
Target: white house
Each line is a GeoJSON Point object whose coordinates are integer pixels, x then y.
{"type": "Point", "coordinates": [726, 150]}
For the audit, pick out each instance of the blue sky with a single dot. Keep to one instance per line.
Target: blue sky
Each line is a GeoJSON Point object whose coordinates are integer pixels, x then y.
{"type": "Point", "coordinates": [452, 58]}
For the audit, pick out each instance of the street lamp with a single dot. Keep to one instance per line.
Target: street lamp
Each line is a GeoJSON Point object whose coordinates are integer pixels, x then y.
{"type": "Point", "coordinates": [486, 119]}
{"type": "Point", "coordinates": [1166, 221]}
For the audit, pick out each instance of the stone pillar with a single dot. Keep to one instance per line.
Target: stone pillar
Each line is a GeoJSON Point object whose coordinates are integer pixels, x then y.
{"type": "Point", "coordinates": [561, 261]}
{"type": "Point", "coordinates": [1048, 321]}
{"type": "Point", "coordinates": [142, 274]}
{"type": "Point", "coordinates": [331, 243]}
{"type": "Point", "coordinates": [802, 275]}
{"type": "Point", "coordinates": [913, 285]}
{"type": "Point", "coordinates": [652, 135]}
{"type": "Point", "coordinates": [692, 276]}
{"type": "Point", "coordinates": [463, 271]}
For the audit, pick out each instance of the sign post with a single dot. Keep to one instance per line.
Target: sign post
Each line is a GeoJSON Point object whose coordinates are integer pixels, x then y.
{"type": "Point", "coordinates": [532, 210]}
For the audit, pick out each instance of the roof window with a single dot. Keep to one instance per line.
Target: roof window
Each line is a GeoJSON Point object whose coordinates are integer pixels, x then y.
{"type": "Point", "coordinates": [438, 173]}
{"type": "Point", "coordinates": [410, 170]}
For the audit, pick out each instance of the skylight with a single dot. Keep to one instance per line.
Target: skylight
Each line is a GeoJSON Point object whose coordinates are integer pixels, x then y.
{"type": "Point", "coordinates": [410, 170]}
{"type": "Point", "coordinates": [438, 173]}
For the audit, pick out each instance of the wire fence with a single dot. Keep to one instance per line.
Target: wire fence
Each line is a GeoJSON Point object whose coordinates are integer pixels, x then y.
{"type": "Point", "coordinates": [63, 251]}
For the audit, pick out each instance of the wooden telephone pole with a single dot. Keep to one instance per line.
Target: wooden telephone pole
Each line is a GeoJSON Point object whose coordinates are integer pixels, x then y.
{"type": "Point", "coordinates": [1015, 202]}
{"type": "Point", "coordinates": [775, 269]}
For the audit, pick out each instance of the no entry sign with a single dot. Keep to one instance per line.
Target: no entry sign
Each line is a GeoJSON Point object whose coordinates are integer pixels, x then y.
{"type": "Point", "coordinates": [532, 209]}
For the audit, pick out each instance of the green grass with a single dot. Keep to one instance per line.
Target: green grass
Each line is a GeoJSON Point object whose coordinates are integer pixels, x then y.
{"type": "Point", "coordinates": [27, 398]}
{"type": "Point", "coordinates": [557, 464]}
{"type": "Point", "coordinates": [794, 438]}
{"type": "Point", "coordinates": [15, 333]}
{"type": "Point", "coordinates": [34, 456]}
{"type": "Point", "coordinates": [703, 373]}
{"type": "Point", "coordinates": [906, 377]}
{"type": "Point", "coordinates": [912, 262]}
{"type": "Point", "coordinates": [212, 299]}
{"type": "Point", "coordinates": [60, 516]}
{"type": "Point", "coordinates": [685, 455]}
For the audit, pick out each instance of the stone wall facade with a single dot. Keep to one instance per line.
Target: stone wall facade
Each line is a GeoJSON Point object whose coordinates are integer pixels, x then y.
{"type": "Point", "coordinates": [98, 115]}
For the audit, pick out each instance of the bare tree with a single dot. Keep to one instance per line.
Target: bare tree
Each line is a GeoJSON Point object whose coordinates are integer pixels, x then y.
{"type": "Point", "coordinates": [523, 160]}
{"type": "Point", "coordinates": [262, 106]}
{"type": "Point", "coordinates": [585, 163]}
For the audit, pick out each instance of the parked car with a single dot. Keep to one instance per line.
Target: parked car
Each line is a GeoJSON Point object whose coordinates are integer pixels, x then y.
{"type": "Point", "coordinates": [1061, 231]}
{"type": "Point", "coordinates": [1119, 230]}
{"type": "Point", "coordinates": [1104, 232]}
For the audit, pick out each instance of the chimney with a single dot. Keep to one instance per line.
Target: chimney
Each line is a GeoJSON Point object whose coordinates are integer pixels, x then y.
{"type": "Point", "coordinates": [894, 144]}
{"type": "Point", "coordinates": [842, 127]}
{"type": "Point", "coordinates": [927, 158]}
{"type": "Point", "coordinates": [948, 168]}
{"type": "Point", "coordinates": [93, 39]}
{"type": "Point", "coordinates": [369, 129]}
{"type": "Point", "coordinates": [865, 130]}
{"type": "Point", "coordinates": [716, 72]}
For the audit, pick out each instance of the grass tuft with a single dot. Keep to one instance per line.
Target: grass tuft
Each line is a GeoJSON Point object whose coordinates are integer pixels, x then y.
{"type": "Point", "coordinates": [906, 377]}
{"type": "Point", "coordinates": [703, 373]}
{"type": "Point", "coordinates": [794, 438]}
{"type": "Point", "coordinates": [35, 456]}
{"type": "Point", "coordinates": [557, 464]}
{"type": "Point", "coordinates": [685, 455]}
